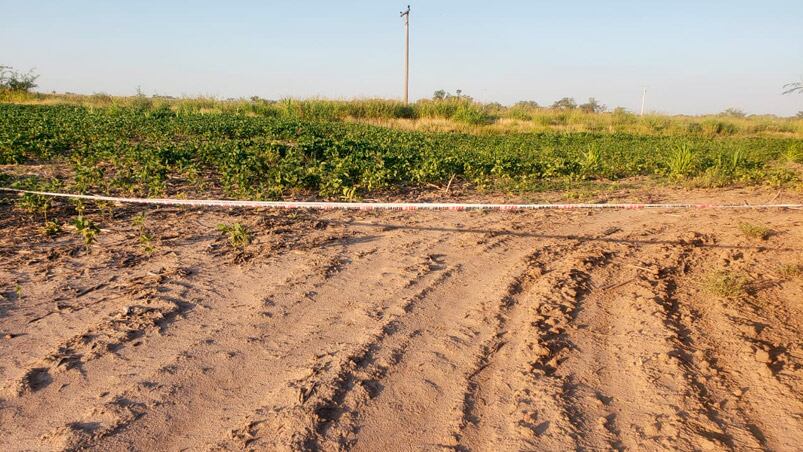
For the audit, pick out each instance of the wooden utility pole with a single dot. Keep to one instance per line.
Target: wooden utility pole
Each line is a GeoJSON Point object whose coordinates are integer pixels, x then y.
{"type": "Point", "coordinates": [406, 16]}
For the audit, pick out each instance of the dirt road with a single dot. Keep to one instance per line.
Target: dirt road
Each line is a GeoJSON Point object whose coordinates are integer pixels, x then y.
{"type": "Point", "coordinates": [395, 331]}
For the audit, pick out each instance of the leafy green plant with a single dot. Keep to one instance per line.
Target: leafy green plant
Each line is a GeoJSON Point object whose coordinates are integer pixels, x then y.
{"type": "Point", "coordinates": [146, 237]}
{"type": "Point", "coordinates": [33, 203]}
{"type": "Point", "coordinates": [146, 240]}
{"type": "Point", "coordinates": [51, 228]}
{"type": "Point", "coordinates": [681, 161]}
{"type": "Point", "coordinates": [238, 235]}
{"type": "Point", "coordinates": [86, 228]}
{"type": "Point", "coordinates": [591, 162]}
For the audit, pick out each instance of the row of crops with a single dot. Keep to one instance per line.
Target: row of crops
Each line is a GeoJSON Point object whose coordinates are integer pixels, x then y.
{"type": "Point", "coordinates": [157, 151]}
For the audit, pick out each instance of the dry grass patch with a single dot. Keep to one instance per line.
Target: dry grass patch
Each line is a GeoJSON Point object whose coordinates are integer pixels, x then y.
{"type": "Point", "coordinates": [725, 284]}
{"type": "Point", "coordinates": [755, 231]}
{"type": "Point", "coordinates": [790, 271]}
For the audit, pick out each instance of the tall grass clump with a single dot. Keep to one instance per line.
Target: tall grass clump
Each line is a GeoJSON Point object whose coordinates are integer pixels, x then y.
{"type": "Point", "coordinates": [681, 162]}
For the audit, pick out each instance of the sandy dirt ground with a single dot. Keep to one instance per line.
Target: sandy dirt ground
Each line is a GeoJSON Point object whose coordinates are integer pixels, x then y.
{"type": "Point", "coordinates": [548, 330]}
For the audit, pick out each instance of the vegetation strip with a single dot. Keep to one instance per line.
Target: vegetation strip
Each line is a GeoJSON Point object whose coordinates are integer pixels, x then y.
{"type": "Point", "coordinates": [395, 205]}
{"type": "Point", "coordinates": [154, 152]}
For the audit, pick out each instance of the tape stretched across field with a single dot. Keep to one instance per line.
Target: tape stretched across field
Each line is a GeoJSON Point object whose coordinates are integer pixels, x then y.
{"type": "Point", "coordinates": [322, 205]}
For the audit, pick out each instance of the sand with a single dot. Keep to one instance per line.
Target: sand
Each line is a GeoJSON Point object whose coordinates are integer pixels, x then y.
{"type": "Point", "coordinates": [548, 330]}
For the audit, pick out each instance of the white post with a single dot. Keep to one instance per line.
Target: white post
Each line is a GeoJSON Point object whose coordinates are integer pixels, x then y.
{"type": "Point", "coordinates": [406, 16]}
{"type": "Point", "coordinates": [643, 96]}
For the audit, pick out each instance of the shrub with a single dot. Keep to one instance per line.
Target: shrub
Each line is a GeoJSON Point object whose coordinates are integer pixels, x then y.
{"type": "Point", "coordinates": [567, 103]}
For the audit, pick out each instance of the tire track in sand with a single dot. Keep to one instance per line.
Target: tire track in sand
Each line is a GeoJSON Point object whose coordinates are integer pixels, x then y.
{"type": "Point", "coordinates": [429, 388]}
{"type": "Point", "coordinates": [516, 399]}
{"type": "Point", "coordinates": [628, 376]}
{"type": "Point", "coordinates": [744, 364]}
{"type": "Point", "coordinates": [356, 374]}
{"type": "Point", "coordinates": [290, 357]}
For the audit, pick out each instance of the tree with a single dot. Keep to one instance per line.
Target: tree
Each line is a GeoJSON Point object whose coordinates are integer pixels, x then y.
{"type": "Point", "coordinates": [796, 87]}
{"type": "Point", "coordinates": [11, 80]}
{"type": "Point", "coordinates": [444, 95]}
{"type": "Point", "coordinates": [593, 106]}
{"type": "Point", "coordinates": [800, 115]}
{"type": "Point", "coordinates": [733, 113]}
{"type": "Point", "coordinates": [567, 103]}
{"type": "Point", "coordinates": [526, 104]}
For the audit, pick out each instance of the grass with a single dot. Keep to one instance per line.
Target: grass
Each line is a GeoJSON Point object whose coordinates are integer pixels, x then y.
{"type": "Point", "coordinates": [755, 231]}
{"type": "Point", "coordinates": [725, 284]}
{"type": "Point", "coordinates": [681, 161]}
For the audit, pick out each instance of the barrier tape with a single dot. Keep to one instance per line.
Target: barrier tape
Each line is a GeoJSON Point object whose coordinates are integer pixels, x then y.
{"type": "Point", "coordinates": [322, 205]}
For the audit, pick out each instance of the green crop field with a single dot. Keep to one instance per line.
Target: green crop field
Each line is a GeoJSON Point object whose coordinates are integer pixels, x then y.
{"type": "Point", "coordinates": [165, 148]}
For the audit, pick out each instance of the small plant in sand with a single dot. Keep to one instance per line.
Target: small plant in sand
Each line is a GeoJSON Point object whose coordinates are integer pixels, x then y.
{"type": "Point", "coordinates": [725, 284]}
{"type": "Point", "coordinates": [755, 231]}
{"type": "Point", "coordinates": [146, 238]}
{"type": "Point", "coordinates": [238, 235]}
{"type": "Point", "coordinates": [106, 208]}
{"type": "Point", "coordinates": [86, 228]}
{"type": "Point", "coordinates": [51, 228]}
{"type": "Point", "coordinates": [146, 242]}
{"type": "Point", "coordinates": [789, 271]}
{"type": "Point", "coordinates": [35, 203]}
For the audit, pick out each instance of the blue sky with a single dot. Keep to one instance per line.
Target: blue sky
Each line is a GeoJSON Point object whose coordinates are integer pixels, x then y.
{"type": "Point", "coordinates": [693, 56]}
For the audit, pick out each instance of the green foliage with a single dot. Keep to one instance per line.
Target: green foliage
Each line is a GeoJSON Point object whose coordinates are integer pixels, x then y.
{"type": "Point", "coordinates": [86, 228]}
{"type": "Point", "coordinates": [591, 163]}
{"type": "Point", "coordinates": [51, 228]}
{"type": "Point", "coordinates": [238, 235]}
{"type": "Point", "coordinates": [38, 204]}
{"type": "Point", "coordinates": [471, 114]}
{"type": "Point", "coordinates": [127, 150]}
{"type": "Point", "coordinates": [681, 161]}
{"type": "Point", "coordinates": [146, 237]}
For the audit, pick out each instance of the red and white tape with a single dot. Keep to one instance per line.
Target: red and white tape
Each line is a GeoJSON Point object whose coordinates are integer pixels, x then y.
{"type": "Point", "coordinates": [322, 205]}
